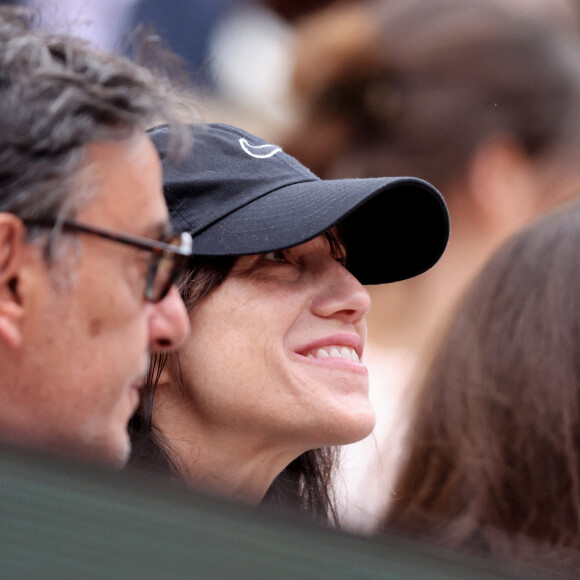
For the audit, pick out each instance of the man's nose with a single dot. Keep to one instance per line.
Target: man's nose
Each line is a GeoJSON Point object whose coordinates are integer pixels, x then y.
{"type": "Point", "coordinates": [169, 323]}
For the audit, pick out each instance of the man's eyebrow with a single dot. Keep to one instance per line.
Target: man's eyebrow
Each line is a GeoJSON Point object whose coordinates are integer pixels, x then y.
{"type": "Point", "coordinates": [159, 230]}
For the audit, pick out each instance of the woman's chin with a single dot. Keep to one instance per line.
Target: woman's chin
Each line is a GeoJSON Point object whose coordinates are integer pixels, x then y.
{"type": "Point", "coordinates": [350, 428]}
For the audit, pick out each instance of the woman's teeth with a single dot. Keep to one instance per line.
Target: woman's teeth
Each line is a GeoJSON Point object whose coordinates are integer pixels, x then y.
{"type": "Point", "coordinates": [335, 352]}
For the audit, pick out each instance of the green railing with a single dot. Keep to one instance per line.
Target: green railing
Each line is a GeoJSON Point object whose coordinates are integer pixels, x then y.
{"type": "Point", "coordinates": [68, 521]}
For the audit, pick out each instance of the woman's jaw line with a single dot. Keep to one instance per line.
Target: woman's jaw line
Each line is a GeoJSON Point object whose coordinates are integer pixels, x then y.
{"type": "Point", "coordinates": [240, 471]}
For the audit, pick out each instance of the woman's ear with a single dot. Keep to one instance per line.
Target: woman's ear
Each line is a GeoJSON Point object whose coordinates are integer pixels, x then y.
{"type": "Point", "coordinates": [11, 263]}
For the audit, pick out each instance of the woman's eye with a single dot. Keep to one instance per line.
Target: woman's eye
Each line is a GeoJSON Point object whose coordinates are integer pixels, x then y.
{"type": "Point", "coordinates": [278, 256]}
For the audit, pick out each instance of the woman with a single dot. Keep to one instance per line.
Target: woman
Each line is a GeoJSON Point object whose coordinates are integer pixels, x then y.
{"type": "Point", "coordinates": [482, 99]}
{"type": "Point", "coordinates": [271, 376]}
{"type": "Point", "coordinates": [492, 460]}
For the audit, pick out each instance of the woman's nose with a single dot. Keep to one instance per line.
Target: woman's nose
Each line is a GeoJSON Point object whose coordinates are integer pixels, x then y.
{"type": "Point", "coordinates": [340, 295]}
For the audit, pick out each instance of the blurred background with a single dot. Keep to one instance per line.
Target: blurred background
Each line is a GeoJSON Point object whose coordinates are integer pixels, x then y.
{"type": "Point", "coordinates": [237, 51]}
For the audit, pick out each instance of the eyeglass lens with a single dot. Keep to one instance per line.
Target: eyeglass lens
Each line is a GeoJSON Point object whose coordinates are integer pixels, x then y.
{"type": "Point", "coordinates": [163, 271]}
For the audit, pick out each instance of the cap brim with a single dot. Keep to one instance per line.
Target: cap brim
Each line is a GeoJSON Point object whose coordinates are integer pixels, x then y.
{"type": "Point", "coordinates": [393, 228]}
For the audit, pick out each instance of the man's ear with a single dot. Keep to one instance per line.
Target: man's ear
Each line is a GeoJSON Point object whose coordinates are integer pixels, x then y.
{"type": "Point", "coordinates": [11, 261]}
{"type": "Point", "coordinates": [504, 185]}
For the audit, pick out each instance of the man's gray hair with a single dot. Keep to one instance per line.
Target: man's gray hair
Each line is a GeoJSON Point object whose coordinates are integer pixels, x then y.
{"type": "Point", "coordinates": [58, 94]}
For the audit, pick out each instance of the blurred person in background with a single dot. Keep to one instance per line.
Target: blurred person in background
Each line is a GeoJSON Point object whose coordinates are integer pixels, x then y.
{"type": "Point", "coordinates": [104, 23]}
{"type": "Point", "coordinates": [272, 377]}
{"type": "Point", "coordinates": [86, 256]}
{"type": "Point", "coordinates": [236, 52]}
{"type": "Point", "coordinates": [480, 98]}
{"type": "Point", "coordinates": [492, 456]}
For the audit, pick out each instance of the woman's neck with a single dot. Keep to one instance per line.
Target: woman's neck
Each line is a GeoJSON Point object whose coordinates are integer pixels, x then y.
{"type": "Point", "coordinates": [217, 459]}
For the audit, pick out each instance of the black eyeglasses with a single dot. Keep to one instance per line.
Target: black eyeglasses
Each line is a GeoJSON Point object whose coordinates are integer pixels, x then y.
{"type": "Point", "coordinates": [168, 260]}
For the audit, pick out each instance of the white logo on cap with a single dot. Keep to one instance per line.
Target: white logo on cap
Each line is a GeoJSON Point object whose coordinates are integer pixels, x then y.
{"type": "Point", "coordinates": [259, 151]}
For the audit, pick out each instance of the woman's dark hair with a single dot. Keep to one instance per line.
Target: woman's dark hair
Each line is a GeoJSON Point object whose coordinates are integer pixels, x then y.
{"type": "Point", "coordinates": [492, 459]}
{"type": "Point", "coordinates": [305, 485]}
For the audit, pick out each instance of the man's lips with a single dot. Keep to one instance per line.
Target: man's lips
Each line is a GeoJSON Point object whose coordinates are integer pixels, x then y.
{"type": "Point", "coordinates": [139, 384]}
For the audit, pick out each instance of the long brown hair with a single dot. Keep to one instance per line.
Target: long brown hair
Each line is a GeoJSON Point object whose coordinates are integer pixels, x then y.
{"type": "Point", "coordinates": [305, 485]}
{"type": "Point", "coordinates": [492, 456]}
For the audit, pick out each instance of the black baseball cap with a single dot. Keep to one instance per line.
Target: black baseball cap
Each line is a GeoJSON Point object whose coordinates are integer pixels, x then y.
{"type": "Point", "coordinates": [237, 194]}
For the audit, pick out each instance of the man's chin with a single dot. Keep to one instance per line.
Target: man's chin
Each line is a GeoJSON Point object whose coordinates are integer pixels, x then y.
{"type": "Point", "coordinates": [112, 454]}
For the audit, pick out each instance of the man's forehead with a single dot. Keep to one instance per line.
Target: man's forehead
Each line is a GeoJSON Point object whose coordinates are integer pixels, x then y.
{"type": "Point", "coordinates": [125, 180]}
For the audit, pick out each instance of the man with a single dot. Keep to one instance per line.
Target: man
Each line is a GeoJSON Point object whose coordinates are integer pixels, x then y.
{"type": "Point", "coordinates": [86, 264]}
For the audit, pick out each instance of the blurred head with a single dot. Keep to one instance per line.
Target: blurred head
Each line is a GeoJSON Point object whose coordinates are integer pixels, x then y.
{"type": "Point", "coordinates": [493, 447]}
{"type": "Point", "coordinates": [86, 260]}
{"type": "Point", "coordinates": [421, 103]}
{"type": "Point", "coordinates": [275, 292]}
